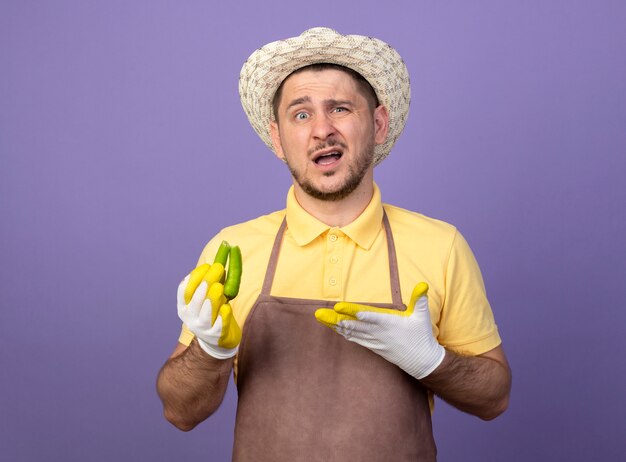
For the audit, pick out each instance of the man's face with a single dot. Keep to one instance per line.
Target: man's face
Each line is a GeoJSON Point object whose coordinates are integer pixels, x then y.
{"type": "Point", "coordinates": [327, 132]}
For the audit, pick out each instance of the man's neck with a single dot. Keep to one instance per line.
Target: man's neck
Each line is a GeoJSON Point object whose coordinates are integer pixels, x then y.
{"type": "Point", "coordinates": [337, 213]}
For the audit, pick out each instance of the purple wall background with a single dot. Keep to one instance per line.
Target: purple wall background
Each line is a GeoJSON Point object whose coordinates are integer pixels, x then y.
{"type": "Point", "coordinates": [119, 121]}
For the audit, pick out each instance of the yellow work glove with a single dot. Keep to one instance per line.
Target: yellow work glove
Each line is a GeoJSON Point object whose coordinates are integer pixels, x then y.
{"type": "Point", "coordinates": [404, 338]}
{"type": "Point", "coordinates": [204, 309]}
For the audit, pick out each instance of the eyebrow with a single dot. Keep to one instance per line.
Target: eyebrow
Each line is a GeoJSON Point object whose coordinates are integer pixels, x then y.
{"type": "Point", "coordinates": [295, 102]}
{"type": "Point", "coordinates": [328, 102]}
{"type": "Point", "coordinates": [339, 102]}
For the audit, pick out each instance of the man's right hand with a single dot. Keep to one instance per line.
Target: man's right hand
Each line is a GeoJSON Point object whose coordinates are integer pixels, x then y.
{"type": "Point", "coordinates": [204, 309]}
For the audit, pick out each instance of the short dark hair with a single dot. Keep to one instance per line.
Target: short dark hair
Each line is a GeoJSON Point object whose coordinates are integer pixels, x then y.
{"type": "Point", "coordinates": [363, 85]}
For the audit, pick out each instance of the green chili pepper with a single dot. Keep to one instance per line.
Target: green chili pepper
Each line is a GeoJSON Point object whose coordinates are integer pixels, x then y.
{"type": "Point", "coordinates": [222, 254]}
{"type": "Point", "coordinates": [233, 277]}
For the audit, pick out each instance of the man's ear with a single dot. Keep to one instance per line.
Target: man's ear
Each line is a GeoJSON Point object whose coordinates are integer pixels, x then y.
{"type": "Point", "coordinates": [278, 147]}
{"type": "Point", "coordinates": [381, 124]}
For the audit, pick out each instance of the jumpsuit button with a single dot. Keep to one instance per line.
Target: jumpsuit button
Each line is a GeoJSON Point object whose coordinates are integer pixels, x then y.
{"type": "Point", "coordinates": [333, 237]}
{"type": "Point", "coordinates": [332, 281]}
{"type": "Point", "coordinates": [334, 259]}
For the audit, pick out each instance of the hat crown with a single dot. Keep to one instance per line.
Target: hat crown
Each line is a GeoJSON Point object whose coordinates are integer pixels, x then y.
{"type": "Point", "coordinates": [319, 31]}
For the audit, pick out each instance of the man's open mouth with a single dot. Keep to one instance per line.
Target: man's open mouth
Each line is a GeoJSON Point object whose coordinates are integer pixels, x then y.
{"type": "Point", "coordinates": [328, 158]}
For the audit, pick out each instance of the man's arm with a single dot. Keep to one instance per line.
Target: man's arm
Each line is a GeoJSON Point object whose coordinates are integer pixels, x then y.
{"type": "Point", "coordinates": [191, 385]}
{"type": "Point", "coordinates": [193, 381]}
{"type": "Point", "coordinates": [479, 385]}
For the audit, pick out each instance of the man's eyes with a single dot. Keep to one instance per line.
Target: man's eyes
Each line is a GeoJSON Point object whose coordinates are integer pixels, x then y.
{"type": "Point", "coordinates": [302, 115]}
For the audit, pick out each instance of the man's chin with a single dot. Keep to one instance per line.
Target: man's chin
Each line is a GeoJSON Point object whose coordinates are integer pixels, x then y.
{"type": "Point", "coordinates": [330, 193]}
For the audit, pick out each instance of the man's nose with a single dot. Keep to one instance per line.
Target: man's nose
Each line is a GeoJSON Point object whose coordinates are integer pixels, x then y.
{"type": "Point", "coordinates": [323, 127]}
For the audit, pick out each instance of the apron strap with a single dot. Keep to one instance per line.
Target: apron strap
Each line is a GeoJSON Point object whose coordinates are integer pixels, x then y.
{"type": "Point", "coordinates": [396, 294]}
{"type": "Point", "coordinates": [271, 266]}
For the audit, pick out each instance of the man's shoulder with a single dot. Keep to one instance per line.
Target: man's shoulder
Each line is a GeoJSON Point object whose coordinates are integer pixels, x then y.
{"type": "Point", "coordinates": [262, 226]}
{"type": "Point", "coordinates": [403, 220]}
{"type": "Point", "coordinates": [419, 236]}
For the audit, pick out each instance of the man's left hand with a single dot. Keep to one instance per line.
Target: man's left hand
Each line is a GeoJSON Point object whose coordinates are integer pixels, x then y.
{"type": "Point", "coordinates": [404, 338]}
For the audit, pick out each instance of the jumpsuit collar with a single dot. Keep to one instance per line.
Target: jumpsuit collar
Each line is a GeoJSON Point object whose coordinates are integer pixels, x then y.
{"type": "Point", "coordinates": [304, 227]}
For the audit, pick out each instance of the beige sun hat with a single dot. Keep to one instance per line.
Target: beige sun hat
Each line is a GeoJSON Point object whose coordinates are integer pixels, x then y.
{"type": "Point", "coordinates": [376, 61]}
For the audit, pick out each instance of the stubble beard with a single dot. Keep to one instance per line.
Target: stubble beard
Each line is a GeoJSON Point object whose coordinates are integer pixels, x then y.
{"type": "Point", "coordinates": [356, 173]}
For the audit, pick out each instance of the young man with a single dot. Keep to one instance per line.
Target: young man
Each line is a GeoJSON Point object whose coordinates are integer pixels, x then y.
{"type": "Point", "coordinates": [354, 313]}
